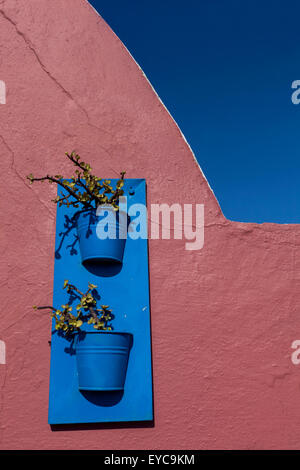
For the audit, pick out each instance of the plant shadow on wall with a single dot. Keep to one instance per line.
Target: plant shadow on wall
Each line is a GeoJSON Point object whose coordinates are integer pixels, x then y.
{"type": "Point", "coordinates": [69, 226]}
{"type": "Point", "coordinates": [102, 355]}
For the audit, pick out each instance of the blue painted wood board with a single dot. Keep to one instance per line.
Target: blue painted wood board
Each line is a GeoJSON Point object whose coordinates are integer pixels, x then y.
{"type": "Point", "coordinates": [125, 288]}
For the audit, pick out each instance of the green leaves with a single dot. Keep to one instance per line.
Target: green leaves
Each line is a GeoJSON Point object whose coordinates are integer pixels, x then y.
{"type": "Point", "coordinates": [92, 286]}
{"type": "Point", "coordinates": [30, 177]}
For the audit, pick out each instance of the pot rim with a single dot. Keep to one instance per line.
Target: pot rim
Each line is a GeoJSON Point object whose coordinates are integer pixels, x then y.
{"type": "Point", "coordinates": [106, 332]}
{"type": "Point", "coordinates": [129, 335]}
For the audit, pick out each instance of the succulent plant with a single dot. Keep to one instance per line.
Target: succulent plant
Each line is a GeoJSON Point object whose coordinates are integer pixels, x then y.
{"type": "Point", "coordinates": [69, 323]}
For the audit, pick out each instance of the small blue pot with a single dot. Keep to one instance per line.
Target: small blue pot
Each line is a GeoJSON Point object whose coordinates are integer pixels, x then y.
{"type": "Point", "coordinates": [102, 359]}
{"type": "Point", "coordinates": [93, 248]}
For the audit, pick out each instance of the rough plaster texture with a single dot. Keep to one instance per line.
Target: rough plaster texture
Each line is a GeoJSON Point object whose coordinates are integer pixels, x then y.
{"type": "Point", "coordinates": [223, 318]}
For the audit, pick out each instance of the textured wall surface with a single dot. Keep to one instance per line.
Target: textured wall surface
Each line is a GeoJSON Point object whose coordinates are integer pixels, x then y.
{"type": "Point", "coordinates": [223, 318]}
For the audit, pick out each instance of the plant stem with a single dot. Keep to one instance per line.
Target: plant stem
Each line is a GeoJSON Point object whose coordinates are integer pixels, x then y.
{"type": "Point", "coordinates": [54, 180]}
{"type": "Point", "coordinates": [46, 307]}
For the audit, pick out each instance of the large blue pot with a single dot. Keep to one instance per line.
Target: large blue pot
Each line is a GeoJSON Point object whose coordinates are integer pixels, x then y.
{"type": "Point", "coordinates": [93, 248]}
{"type": "Point", "coordinates": [102, 359]}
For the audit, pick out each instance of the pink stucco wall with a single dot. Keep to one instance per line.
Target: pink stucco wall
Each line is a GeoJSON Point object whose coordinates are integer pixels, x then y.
{"type": "Point", "coordinates": [223, 318]}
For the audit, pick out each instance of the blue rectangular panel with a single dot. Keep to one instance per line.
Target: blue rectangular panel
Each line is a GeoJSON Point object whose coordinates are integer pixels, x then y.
{"type": "Point", "coordinates": [125, 288]}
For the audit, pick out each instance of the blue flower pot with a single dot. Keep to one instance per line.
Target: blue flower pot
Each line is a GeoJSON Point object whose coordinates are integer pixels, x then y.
{"type": "Point", "coordinates": [102, 359]}
{"type": "Point", "coordinates": [92, 247]}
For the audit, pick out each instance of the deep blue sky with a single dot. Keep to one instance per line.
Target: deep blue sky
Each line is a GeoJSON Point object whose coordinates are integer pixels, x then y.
{"type": "Point", "coordinates": [224, 70]}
